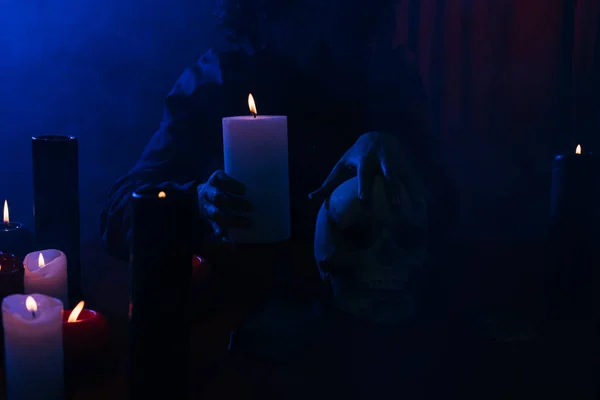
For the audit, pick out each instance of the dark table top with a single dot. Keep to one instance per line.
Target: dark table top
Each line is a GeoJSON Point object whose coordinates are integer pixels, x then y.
{"type": "Point", "coordinates": [474, 356]}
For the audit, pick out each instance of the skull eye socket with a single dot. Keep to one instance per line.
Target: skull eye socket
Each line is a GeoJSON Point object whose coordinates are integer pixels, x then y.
{"type": "Point", "coordinates": [361, 235]}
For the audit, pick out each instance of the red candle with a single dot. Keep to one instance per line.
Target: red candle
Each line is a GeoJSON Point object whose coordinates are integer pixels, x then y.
{"type": "Point", "coordinates": [200, 269]}
{"type": "Point", "coordinates": [85, 339]}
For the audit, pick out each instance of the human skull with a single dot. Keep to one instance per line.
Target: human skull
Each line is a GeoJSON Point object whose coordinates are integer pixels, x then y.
{"type": "Point", "coordinates": [369, 251]}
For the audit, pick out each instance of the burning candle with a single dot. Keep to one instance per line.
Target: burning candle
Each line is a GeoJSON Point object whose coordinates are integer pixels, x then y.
{"type": "Point", "coordinates": [256, 153]}
{"type": "Point", "coordinates": [14, 237]}
{"type": "Point", "coordinates": [162, 244]}
{"type": "Point", "coordinates": [46, 273]}
{"type": "Point", "coordinates": [85, 338]}
{"type": "Point", "coordinates": [575, 186]}
{"type": "Point", "coordinates": [574, 234]}
{"type": "Point", "coordinates": [11, 275]}
{"type": "Point", "coordinates": [33, 347]}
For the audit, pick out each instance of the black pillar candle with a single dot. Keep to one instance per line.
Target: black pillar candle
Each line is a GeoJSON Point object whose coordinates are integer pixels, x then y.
{"type": "Point", "coordinates": [161, 254]}
{"type": "Point", "coordinates": [11, 275]}
{"type": "Point", "coordinates": [574, 236]}
{"type": "Point", "coordinates": [11, 282]}
{"type": "Point", "coordinates": [14, 237]}
{"type": "Point", "coordinates": [56, 203]}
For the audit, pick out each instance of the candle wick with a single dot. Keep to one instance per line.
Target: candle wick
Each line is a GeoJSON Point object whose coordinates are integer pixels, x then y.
{"type": "Point", "coordinates": [254, 114]}
{"type": "Point", "coordinates": [33, 314]}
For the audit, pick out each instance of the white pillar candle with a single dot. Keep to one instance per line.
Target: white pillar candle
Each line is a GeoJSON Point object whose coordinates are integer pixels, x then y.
{"type": "Point", "coordinates": [256, 153]}
{"type": "Point", "coordinates": [46, 273]}
{"type": "Point", "coordinates": [33, 347]}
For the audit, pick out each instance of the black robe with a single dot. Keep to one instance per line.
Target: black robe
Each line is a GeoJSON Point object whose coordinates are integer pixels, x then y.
{"type": "Point", "coordinates": [326, 113]}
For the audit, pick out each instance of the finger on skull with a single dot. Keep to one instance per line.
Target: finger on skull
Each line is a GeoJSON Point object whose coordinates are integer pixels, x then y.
{"type": "Point", "coordinates": [339, 174]}
{"type": "Point", "coordinates": [327, 241]}
{"type": "Point", "coordinates": [366, 173]}
{"type": "Point", "coordinates": [393, 182]}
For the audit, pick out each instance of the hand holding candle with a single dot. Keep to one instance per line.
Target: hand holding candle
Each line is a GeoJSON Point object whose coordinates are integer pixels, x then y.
{"type": "Point", "coordinates": [256, 153]}
{"type": "Point", "coordinates": [33, 347]}
{"type": "Point", "coordinates": [46, 272]}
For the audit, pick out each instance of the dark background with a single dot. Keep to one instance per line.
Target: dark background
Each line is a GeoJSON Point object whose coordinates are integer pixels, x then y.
{"type": "Point", "coordinates": [511, 83]}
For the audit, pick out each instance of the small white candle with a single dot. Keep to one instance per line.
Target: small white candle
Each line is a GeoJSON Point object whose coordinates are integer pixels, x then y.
{"type": "Point", "coordinates": [46, 273]}
{"type": "Point", "coordinates": [256, 153]}
{"type": "Point", "coordinates": [33, 347]}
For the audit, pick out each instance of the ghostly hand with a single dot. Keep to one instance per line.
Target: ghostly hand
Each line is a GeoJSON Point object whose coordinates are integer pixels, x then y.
{"type": "Point", "coordinates": [373, 154]}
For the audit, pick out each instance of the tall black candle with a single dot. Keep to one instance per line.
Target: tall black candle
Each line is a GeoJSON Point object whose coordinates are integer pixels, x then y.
{"type": "Point", "coordinates": [574, 236]}
{"type": "Point", "coordinates": [56, 203]}
{"type": "Point", "coordinates": [15, 238]}
{"type": "Point", "coordinates": [162, 247]}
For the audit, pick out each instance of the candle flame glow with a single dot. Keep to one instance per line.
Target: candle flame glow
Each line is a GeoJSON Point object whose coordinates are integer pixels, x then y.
{"type": "Point", "coordinates": [6, 215]}
{"type": "Point", "coordinates": [162, 195]}
{"type": "Point", "coordinates": [41, 261]}
{"type": "Point", "coordinates": [31, 304]}
{"type": "Point", "coordinates": [76, 311]}
{"type": "Point", "coordinates": [252, 104]}
{"type": "Point", "coordinates": [578, 149]}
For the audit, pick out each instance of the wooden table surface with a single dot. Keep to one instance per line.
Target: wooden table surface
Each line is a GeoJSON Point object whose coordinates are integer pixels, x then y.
{"type": "Point", "coordinates": [497, 370]}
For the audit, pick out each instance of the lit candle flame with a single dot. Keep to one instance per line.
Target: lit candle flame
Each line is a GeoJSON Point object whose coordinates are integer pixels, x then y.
{"type": "Point", "coordinates": [578, 149]}
{"type": "Point", "coordinates": [6, 215]}
{"type": "Point", "coordinates": [162, 195]}
{"type": "Point", "coordinates": [252, 105]}
{"type": "Point", "coordinates": [31, 305]}
{"type": "Point", "coordinates": [41, 261]}
{"type": "Point", "coordinates": [76, 311]}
